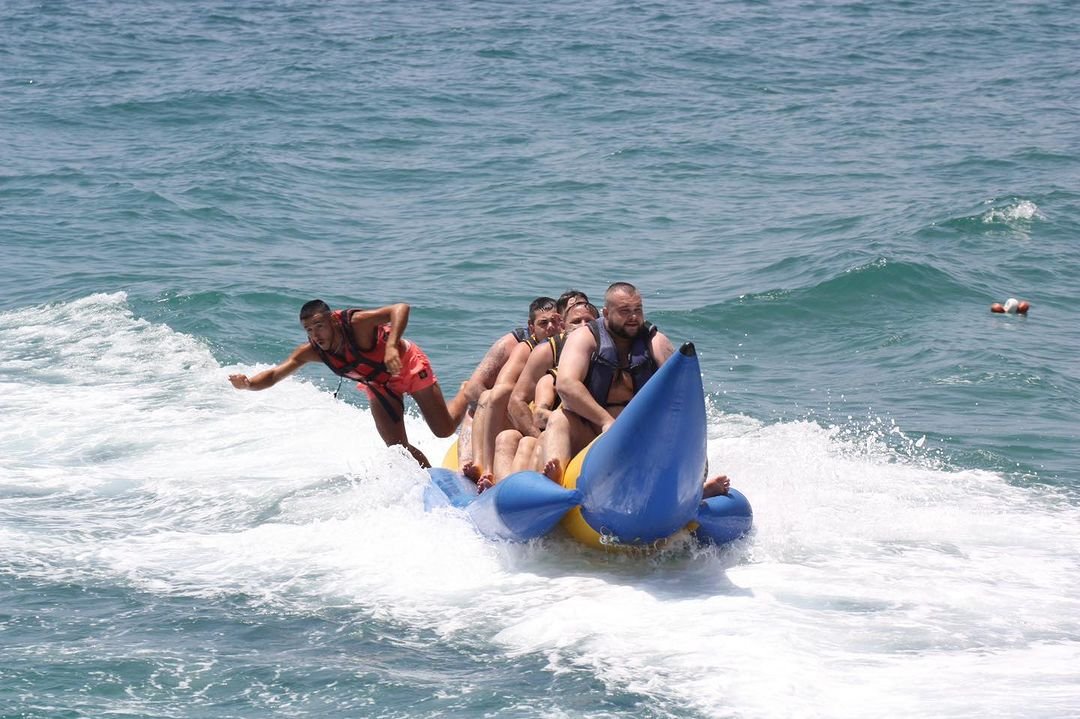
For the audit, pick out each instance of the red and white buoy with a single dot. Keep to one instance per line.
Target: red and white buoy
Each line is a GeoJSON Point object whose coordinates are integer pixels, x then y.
{"type": "Point", "coordinates": [1012, 306]}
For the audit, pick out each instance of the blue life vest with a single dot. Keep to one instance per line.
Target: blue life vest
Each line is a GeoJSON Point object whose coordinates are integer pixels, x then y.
{"type": "Point", "coordinates": [605, 361]}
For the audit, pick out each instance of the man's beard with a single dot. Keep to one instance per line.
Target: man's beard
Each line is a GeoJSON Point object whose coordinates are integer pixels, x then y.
{"type": "Point", "coordinates": [621, 332]}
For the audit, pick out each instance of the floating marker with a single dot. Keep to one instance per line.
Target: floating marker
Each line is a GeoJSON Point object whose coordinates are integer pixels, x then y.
{"type": "Point", "coordinates": [1012, 306]}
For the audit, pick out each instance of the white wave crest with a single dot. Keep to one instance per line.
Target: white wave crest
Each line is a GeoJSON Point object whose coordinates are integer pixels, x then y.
{"type": "Point", "coordinates": [1023, 210]}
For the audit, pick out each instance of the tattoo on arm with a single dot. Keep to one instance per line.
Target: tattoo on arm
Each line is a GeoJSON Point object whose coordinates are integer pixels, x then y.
{"type": "Point", "coordinates": [490, 365]}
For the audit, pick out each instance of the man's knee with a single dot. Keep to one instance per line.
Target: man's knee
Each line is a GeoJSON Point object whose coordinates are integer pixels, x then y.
{"type": "Point", "coordinates": [500, 393]}
{"type": "Point", "coordinates": [579, 432]}
{"type": "Point", "coordinates": [436, 413]}
{"type": "Point", "coordinates": [527, 447]}
{"type": "Point", "coordinates": [558, 422]}
{"type": "Point", "coordinates": [443, 426]}
{"type": "Point", "coordinates": [507, 438]}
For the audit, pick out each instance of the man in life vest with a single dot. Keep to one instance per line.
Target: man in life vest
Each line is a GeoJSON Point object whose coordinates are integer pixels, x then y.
{"type": "Point", "coordinates": [600, 371]}
{"type": "Point", "coordinates": [366, 346]}
{"type": "Point", "coordinates": [514, 447]}
{"type": "Point", "coordinates": [490, 416]}
{"type": "Point", "coordinates": [485, 374]}
{"type": "Point", "coordinates": [542, 361]}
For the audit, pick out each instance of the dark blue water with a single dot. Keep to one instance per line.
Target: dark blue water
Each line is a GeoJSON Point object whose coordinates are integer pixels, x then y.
{"type": "Point", "coordinates": [825, 198]}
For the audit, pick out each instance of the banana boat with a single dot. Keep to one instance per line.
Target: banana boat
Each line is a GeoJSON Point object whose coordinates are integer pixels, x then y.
{"type": "Point", "coordinates": [634, 487]}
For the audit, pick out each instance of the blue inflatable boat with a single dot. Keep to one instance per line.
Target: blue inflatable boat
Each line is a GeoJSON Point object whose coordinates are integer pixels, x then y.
{"type": "Point", "coordinates": [636, 485]}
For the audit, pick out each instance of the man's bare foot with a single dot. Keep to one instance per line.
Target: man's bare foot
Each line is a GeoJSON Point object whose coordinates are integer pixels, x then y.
{"type": "Point", "coordinates": [553, 471]}
{"type": "Point", "coordinates": [715, 486]}
{"type": "Point", "coordinates": [472, 471]}
{"type": "Point", "coordinates": [485, 482]}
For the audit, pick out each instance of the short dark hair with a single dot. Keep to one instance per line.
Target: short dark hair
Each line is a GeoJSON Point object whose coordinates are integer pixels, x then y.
{"type": "Point", "coordinates": [568, 298]}
{"type": "Point", "coordinates": [312, 308]}
{"type": "Point", "coordinates": [619, 287]}
{"type": "Point", "coordinates": [540, 304]}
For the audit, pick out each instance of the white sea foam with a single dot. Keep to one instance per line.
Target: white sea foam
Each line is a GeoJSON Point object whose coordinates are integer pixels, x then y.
{"type": "Point", "coordinates": [874, 585]}
{"type": "Point", "coordinates": [1025, 210]}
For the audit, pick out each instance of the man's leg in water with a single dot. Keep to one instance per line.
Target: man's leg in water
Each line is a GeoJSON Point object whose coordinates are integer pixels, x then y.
{"type": "Point", "coordinates": [392, 428]}
{"type": "Point", "coordinates": [433, 407]}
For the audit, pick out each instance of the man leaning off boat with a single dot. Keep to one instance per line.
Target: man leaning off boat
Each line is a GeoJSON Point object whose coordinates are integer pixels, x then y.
{"type": "Point", "coordinates": [367, 346]}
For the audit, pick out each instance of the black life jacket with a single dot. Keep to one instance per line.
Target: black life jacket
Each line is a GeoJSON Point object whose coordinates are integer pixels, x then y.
{"type": "Point", "coordinates": [523, 335]}
{"type": "Point", "coordinates": [556, 344]}
{"type": "Point", "coordinates": [605, 360]}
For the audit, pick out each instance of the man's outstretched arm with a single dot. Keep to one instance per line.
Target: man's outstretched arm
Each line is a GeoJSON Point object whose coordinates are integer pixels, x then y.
{"type": "Point", "coordinates": [270, 377]}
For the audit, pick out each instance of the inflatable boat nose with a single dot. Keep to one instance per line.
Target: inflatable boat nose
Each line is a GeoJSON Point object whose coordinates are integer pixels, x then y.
{"type": "Point", "coordinates": [525, 505]}
{"type": "Point", "coordinates": [641, 480]}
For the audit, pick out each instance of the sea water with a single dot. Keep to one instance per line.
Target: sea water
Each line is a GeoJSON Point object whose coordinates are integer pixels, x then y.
{"type": "Point", "coordinates": [824, 197]}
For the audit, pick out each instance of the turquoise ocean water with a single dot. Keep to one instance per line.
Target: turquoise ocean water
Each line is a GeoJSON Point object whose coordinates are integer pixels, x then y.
{"type": "Point", "coordinates": [824, 197]}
